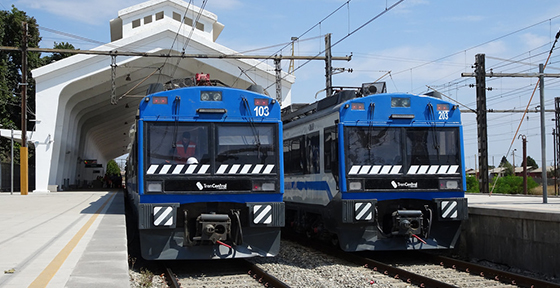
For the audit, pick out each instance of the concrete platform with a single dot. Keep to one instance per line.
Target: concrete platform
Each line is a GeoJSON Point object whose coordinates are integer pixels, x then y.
{"type": "Point", "coordinates": [63, 239]}
{"type": "Point", "coordinates": [519, 231]}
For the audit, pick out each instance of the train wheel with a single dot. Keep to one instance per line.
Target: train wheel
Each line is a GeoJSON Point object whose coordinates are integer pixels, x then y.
{"type": "Point", "coordinates": [334, 240]}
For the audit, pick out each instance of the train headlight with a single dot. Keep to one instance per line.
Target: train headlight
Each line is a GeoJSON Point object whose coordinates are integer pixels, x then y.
{"type": "Point", "coordinates": [154, 186]}
{"type": "Point", "coordinates": [217, 96]}
{"type": "Point", "coordinates": [205, 96]}
{"type": "Point", "coordinates": [355, 185]}
{"type": "Point", "coordinates": [449, 184]}
{"type": "Point", "coordinates": [210, 96]}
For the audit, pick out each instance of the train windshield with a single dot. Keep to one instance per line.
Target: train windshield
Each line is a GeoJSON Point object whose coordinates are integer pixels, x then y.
{"type": "Point", "coordinates": [433, 146]}
{"type": "Point", "coordinates": [211, 144]}
{"type": "Point", "coordinates": [401, 146]}
{"type": "Point", "coordinates": [245, 144]}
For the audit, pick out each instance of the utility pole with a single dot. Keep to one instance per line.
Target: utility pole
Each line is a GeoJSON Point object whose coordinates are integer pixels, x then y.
{"type": "Point", "coordinates": [543, 135]}
{"type": "Point", "coordinates": [481, 91]}
{"type": "Point", "coordinates": [524, 163]}
{"type": "Point", "coordinates": [556, 140]}
{"type": "Point", "coordinates": [328, 64]}
{"type": "Point", "coordinates": [23, 87]}
{"type": "Point", "coordinates": [482, 127]}
{"type": "Point", "coordinates": [554, 143]}
{"type": "Point", "coordinates": [278, 69]}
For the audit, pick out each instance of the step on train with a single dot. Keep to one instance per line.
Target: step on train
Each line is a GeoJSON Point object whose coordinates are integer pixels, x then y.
{"type": "Point", "coordinates": [375, 171]}
{"type": "Point", "coordinates": [205, 172]}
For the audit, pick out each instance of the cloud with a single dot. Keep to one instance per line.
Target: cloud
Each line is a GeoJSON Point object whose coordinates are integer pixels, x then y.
{"type": "Point", "coordinates": [532, 41]}
{"type": "Point", "coordinates": [90, 12]}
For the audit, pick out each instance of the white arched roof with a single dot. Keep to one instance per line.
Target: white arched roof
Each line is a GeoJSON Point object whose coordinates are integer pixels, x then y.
{"type": "Point", "coordinates": [75, 117]}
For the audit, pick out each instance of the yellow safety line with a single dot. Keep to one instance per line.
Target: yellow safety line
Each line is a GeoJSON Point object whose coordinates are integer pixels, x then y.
{"type": "Point", "coordinates": [46, 276]}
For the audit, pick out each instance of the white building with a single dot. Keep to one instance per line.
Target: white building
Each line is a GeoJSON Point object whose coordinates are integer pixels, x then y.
{"type": "Point", "coordinates": [75, 118]}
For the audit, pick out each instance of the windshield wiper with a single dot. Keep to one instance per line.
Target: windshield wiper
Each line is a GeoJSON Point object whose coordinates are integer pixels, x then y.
{"type": "Point", "coordinates": [254, 129]}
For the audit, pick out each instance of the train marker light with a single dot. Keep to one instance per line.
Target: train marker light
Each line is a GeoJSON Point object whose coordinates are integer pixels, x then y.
{"type": "Point", "coordinates": [261, 102]}
{"type": "Point", "coordinates": [159, 100]}
{"type": "Point", "coordinates": [358, 106]}
{"type": "Point", "coordinates": [442, 107]}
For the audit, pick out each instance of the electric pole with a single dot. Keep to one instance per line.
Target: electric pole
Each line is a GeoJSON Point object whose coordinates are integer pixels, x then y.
{"type": "Point", "coordinates": [328, 64]}
{"type": "Point", "coordinates": [481, 119]}
{"type": "Point", "coordinates": [23, 87]}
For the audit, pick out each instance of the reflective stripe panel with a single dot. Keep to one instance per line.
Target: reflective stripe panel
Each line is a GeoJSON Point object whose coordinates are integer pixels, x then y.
{"type": "Point", "coordinates": [179, 169]}
{"type": "Point", "coordinates": [257, 169]}
{"type": "Point", "coordinates": [262, 214]}
{"type": "Point", "coordinates": [268, 169]}
{"type": "Point", "coordinates": [152, 169]}
{"type": "Point", "coordinates": [396, 169]}
{"type": "Point", "coordinates": [222, 169]}
{"type": "Point", "coordinates": [163, 216]}
{"type": "Point", "coordinates": [375, 169]}
{"type": "Point", "coordinates": [365, 169]}
{"type": "Point", "coordinates": [234, 168]}
{"type": "Point", "coordinates": [449, 209]}
{"type": "Point", "coordinates": [363, 211]}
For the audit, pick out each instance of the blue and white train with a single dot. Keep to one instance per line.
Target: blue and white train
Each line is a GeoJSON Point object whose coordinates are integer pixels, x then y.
{"type": "Point", "coordinates": [375, 172]}
{"type": "Point", "coordinates": [204, 173]}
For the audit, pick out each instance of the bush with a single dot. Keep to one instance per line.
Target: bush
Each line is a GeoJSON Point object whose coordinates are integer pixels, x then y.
{"type": "Point", "coordinates": [512, 184]}
{"type": "Point", "coordinates": [472, 184]}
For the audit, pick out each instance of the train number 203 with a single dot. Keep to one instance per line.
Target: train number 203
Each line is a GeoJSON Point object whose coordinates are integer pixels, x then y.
{"type": "Point", "coordinates": [443, 115]}
{"type": "Point", "coordinates": [263, 111]}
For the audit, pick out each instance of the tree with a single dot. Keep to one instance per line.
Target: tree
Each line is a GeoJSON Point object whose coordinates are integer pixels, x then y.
{"type": "Point", "coordinates": [113, 168]}
{"type": "Point", "coordinates": [508, 167]}
{"type": "Point", "coordinates": [58, 56]}
{"type": "Point", "coordinates": [10, 75]}
{"type": "Point", "coordinates": [531, 163]}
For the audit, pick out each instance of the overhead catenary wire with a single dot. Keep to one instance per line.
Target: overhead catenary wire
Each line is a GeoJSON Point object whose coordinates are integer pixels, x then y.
{"type": "Point", "coordinates": [528, 104]}
{"type": "Point", "coordinates": [349, 34]}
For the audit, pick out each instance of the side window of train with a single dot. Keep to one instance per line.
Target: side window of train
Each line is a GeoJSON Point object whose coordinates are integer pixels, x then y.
{"type": "Point", "coordinates": [294, 156]}
{"type": "Point", "coordinates": [312, 154]}
{"type": "Point", "coordinates": [330, 144]}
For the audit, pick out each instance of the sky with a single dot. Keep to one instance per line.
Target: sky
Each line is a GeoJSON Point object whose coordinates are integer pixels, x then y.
{"type": "Point", "coordinates": [415, 44]}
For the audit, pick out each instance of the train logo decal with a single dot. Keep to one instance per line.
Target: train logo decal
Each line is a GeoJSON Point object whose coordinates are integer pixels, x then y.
{"type": "Point", "coordinates": [163, 216]}
{"type": "Point", "coordinates": [405, 184]}
{"type": "Point", "coordinates": [449, 209]}
{"type": "Point", "coordinates": [257, 169]}
{"type": "Point", "coordinates": [262, 214]}
{"type": "Point", "coordinates": [363, 211]}
{"type": "Point", "coordinates": [199, 186]}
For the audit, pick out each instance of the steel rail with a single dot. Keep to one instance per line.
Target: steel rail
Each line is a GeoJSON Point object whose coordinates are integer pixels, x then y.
{"type": "Point", "coordinates": [490, 273]}
{"type": "Point", "coordinates": [263, 277]}
{"type": "Point", "coordinates": [171, 279]}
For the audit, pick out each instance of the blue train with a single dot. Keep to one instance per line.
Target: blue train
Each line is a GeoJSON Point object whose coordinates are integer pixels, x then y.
{"type": "Point", "coordinates": [375, 171]}
{"type": "Point", "coordinates": [204, 172]}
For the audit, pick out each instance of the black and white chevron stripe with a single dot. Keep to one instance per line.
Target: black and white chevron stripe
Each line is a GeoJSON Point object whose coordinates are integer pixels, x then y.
{"type": "Point", "coordinates": [449, 209]}
{"type": "Point", "coordinates": [363, 211]}
{"type": "Point", "coordinates": [177, 169]}
{"type": "Point", "coordinates": [245, 169]}
{"type": "Point", "coordinates": [396, 169]}
{"type": "Point", "coordinates": [262, 214]}
{"type": "Point", "coordinates": [163, 216]}
{"type": "Point", "coordinates": [181, 169]}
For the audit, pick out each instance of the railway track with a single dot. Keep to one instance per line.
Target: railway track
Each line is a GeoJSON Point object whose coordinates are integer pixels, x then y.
{"type": "Point", "coordinates": [427, 270]}
{"type": "Point", "coordinates": [212, 273]}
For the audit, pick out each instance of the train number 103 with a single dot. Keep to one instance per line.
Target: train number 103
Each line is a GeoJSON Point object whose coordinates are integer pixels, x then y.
{"type": "Point", "coordinates": [443, 115]}
{"type": "Point", "coordinates": [263, 111]}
